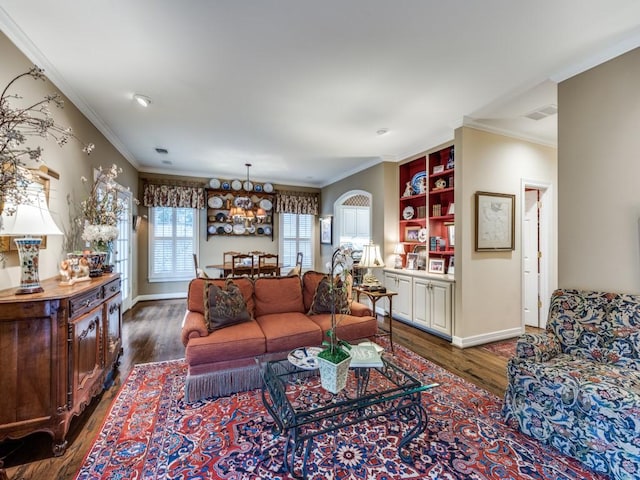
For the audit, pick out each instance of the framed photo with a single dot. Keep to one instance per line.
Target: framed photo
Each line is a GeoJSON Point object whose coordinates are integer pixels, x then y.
{"type": "Point", "coordinates": [38, 184]}
{"type": "Point", "coordinates": [412, 261]}
{"type": "Point", "coordinates": [451, 269]}
{"type": "Point", "coordinates": [495, 222]}
{"type": "Point", "coordinates": [438, 169]}
{"type": "Point", "coordinates": [436, 265]}
{"type": "Point", "coordinates": [326, 233]}
{"type": "Point", "coordinates": [412, 234]}
{"type": "Point", "coordinates": [451, 233]}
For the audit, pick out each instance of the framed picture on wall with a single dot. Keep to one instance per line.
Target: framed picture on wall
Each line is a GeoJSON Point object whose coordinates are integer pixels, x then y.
{"type": "Point", "coordinates": [495, 222]}
{"type": "Point", "coordinates": [326, 234]}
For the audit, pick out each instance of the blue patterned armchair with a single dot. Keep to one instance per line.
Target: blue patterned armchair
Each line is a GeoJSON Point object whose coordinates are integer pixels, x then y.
{"type": "Point", "coordinates": [577, 385]}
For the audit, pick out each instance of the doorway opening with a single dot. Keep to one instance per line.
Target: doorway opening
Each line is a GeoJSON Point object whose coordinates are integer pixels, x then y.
{"type": "Point", "coordinates": [535, 253]}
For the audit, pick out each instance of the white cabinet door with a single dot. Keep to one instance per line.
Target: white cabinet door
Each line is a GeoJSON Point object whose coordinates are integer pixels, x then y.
{"type": "Point", "coordinates": [440, 308]}
{"type": "Point", "coordinates": [402, 302]}
{"type": "Point", "coordinates": [421, 292]}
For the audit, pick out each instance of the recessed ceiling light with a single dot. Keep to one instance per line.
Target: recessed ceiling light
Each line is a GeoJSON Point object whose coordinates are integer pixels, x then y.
{"type": "Point", "coordinates": [382, 131]}
{"type": "Point", "coordinates": [142, 100]}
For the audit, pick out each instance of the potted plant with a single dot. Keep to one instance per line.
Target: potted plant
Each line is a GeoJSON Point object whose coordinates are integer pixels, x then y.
{"type": "Point", "coordinates": [334, 360]}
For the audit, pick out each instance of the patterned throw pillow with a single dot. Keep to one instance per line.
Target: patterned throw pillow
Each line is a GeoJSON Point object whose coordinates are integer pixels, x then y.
{"type": "Point", "coordinates": [323, 299]}
{"type": "Point", "coordinates": [224, 307]}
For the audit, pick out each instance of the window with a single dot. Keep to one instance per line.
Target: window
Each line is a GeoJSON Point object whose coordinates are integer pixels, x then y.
{"type": "Point", "coordinates": [295, 236]}
{"type": "Point", "coordinates": [173, 238]}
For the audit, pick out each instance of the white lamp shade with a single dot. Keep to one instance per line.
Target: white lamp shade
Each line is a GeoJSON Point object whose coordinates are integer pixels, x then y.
{"type": "Point", "coordinates": [399, 250]}
{"type": "Point", "coordinates": [371, 257]}
{"type": "Point", "coordinates": [30, 219]}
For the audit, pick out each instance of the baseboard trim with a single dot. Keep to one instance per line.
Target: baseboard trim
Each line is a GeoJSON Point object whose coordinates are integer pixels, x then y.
{"type": "Point", "coordinates": [158, 296]}
{"type": "Point", "coordinates": [464, 342]}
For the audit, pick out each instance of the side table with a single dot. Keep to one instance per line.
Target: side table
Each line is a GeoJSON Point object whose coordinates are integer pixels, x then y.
{"type": "Point", "coordinates": [374, 296]}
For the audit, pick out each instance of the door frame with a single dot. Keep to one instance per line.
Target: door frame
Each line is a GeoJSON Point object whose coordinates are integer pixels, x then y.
{"type": "Point", "coordinates": [545, 245]}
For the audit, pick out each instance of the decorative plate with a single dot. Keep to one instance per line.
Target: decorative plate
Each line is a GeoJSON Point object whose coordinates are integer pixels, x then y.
{"type": "Point", "coordinates": [419, 182]}
{"type": "Point", "coordinates": [422, 235]}
{"type": "Point", "coordinates": [258, 187]}
{"type": "Point", "coordinates": [266, 204]}
{"type": "Point", "coordinates": [215, 202]}
{"type": "Point", "coordinates": [243, 202]}
{"type": "Point", "coordinates": [220, 230]}
{"type": "Point", "coordinates": [267, 230]}
{"type": "Point", "coordinates": [220, 217]}
{"type": "Point", "coordinates": [260, 230]}
{"type": "Point", "coordinates": [227, 228]}
{"type": "Point", "coordinates": [305, 358]}
{"type": "Point", "coordinates": [236, 185]}
{"type": "Point", "coordinates": [214, 183]}
{"type": "Point", "coordinates": [408, 212]}
{"type": "Point", "coordinates": [226, 186]}
{"type": "Point", "coordinates": [212, 229]}
{"type": "Point", "coordinates": [252, 229]}
{"type": "Point", "coordinates": [268, 187]}
{"type": "Point", "coordinates": [247, 185]}
{"type": "Point", "coordinates": [238, 229]}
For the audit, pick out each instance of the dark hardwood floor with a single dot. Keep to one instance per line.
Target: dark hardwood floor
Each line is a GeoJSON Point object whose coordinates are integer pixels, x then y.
{"type": "Point", "coordinates": [151, 333]}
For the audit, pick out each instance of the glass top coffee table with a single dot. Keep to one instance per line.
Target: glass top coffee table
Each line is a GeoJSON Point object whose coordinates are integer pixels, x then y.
{"type": "Point", "coordinates": [302, 409]}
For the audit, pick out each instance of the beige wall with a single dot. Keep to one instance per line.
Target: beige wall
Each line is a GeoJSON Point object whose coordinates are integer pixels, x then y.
{"type": "Point", "coordinates": [598, 177]}
{"type": "Point", "coordinates": [489, 284]}
{"type": "Point", "coordinates": [68, 161]}
{"type": "Point", "coordinates": [381, 181]}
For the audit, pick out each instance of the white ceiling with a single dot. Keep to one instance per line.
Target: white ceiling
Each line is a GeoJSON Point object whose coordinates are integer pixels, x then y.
{"type": "Point", "coordinates": [299, 88]}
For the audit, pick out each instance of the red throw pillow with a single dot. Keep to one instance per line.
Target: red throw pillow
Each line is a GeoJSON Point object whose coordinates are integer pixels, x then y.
{"type": "Point", "coordinates": [324, 299]}
{"type": "Point", "coordinates": [224, 307]}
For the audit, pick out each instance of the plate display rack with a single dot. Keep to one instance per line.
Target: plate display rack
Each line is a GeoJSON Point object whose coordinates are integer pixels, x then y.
{"type": "Point", "coordinates": [220, 201]}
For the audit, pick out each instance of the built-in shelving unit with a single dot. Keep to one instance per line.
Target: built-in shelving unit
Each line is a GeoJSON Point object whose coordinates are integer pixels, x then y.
{"type": "Point", "coordinates": [441, 205]}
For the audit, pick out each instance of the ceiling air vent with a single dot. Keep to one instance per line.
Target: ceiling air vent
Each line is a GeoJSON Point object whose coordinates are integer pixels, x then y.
{"type": "Point", "coordinates": [163, 151]}
{"type": "Point", "coordinates": [543, 112]}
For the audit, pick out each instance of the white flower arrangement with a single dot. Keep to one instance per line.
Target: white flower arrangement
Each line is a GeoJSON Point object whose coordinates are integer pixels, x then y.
{"type": "Point", "coordinates": [100, 233]}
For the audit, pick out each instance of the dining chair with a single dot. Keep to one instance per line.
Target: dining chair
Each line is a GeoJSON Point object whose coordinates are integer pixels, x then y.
{"type": "Point", "coordinates": [227, 257]}
{"type": "Point", "coordinates": [268, 264]}
{"type": "Point", "coordinates": [242, 264]}
{"type": "Point", "coordinates": [297, 268]}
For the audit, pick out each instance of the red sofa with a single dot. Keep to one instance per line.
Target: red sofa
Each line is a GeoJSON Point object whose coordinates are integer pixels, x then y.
{"type": "Point", "coordinates": [223, 361]}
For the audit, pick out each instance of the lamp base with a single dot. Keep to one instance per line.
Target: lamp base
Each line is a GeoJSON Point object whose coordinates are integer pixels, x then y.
{"type": "Point", "coordinates": [28, 252]}
{"type": "Point", "coordinates": [369, 279]}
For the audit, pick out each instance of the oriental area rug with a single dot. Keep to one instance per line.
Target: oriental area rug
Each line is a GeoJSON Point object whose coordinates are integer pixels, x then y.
{"type": "Point", "coordinates": [503, 348]}
{"type": "Point", "coordinates": [150, 433]}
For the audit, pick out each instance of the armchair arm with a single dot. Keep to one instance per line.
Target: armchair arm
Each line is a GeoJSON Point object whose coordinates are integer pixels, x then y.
{"type": "Point", "coordinates": [539, 347]}
{"type": "Point", "coordinates": [193, 326]}
{"type": "Point", "coordinates": [359, 309]}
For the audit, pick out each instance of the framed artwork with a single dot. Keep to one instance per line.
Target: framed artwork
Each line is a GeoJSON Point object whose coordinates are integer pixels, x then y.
{"type": "Point", "coordinates": [436, 265]}
{"type": "Point", "coordinates": [438, 169]}
{"type": "Point", "coordinates": [412, 234]}
{"type": "Point", "coordinates": [326, 233]}
{"type": "Point", "coordinates": [39, 183]}
{"type": "Point", "coordinates": [451, 233]}
{"type": "Point", "coordinates": [495, 222]}
{"type": "Point", "coordinates": [412, 261]}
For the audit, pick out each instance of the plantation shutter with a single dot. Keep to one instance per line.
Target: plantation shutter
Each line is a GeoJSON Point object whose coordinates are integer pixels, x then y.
{"type": "Point", "coordinates": [173, 240]}
{"type": "Point", "coordinates": [295, 234]}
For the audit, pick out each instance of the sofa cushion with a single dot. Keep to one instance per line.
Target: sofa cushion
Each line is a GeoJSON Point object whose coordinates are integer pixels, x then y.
{"type": "Point", "coordinates": [286, 331]}
{"type": "Point", "coordinates": [349, 327]}
{"type": "Point", "coordinates": [244, 340]}
{"type": "Point", "coordinates": [224, 306]}
{"type": "Point", "coordinates": [195, 298]}
{"type": "Point", "coordinates": [326, 301]}
{"type": "Point", "coordinates": [277, 295]}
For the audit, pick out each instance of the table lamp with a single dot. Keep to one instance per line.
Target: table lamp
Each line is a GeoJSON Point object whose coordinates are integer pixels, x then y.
{"type": "Point", "coordinates": [398, 252]}
{"type": "Point", "coordinates": [371, 258]}
{"type": "Point", "coordinates": [30, 221]}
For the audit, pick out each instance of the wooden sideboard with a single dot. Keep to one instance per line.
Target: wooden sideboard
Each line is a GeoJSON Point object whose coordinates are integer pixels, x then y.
{"type": "Point", "coordinates": [57, 350]}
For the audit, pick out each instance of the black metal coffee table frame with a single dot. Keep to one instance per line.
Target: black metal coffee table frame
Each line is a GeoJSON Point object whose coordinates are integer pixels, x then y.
{"type": "Point", "coordinates": [370, 393]}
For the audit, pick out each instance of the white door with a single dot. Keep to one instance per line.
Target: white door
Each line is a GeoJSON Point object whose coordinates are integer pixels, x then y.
{"type": "Point", "coordinates": [531, 259]}
{"type": "Point", "coordinates": [123, 248]}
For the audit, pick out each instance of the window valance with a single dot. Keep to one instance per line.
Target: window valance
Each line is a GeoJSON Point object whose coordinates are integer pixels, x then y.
{"type": "Point", "coordinates": [175, 196]}
{"type": "Point", "coordinates": [297, 202]}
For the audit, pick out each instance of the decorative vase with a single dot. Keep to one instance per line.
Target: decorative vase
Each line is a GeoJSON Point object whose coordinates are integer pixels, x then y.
{"type": "Point", "coordinates": [96, 262]}
{"type": "Point", "coordinates": [333, 376]}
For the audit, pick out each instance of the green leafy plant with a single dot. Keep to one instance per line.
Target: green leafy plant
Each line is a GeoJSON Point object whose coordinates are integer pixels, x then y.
{"type": "Point", "coordinates": [339, 282]}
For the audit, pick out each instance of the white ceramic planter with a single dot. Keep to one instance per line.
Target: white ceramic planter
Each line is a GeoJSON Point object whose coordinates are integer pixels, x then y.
{"type": "Point", "coordinates": [333, 376]}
